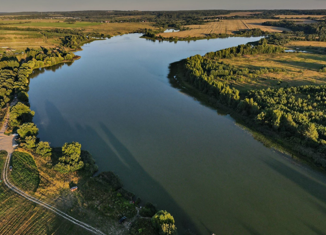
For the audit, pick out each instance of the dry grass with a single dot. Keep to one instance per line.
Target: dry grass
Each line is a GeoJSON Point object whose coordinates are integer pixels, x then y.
{"type": "Point", "coordinates": [307, 44]}
{"type": "Point", "coordinates": [301, 69]}
{"type": "Point", "coordinates": [20, 216]}
{"type": "Point", "coordinates": [299, 16]}
{"type": "Point", "coordinates": [310, 46]}
{"type": "Point", "coordinates": [19, 40]}
{"type": "Point", "coordinates": [223, 27]}
{"type": "Point", "coordinates": [119, 28]}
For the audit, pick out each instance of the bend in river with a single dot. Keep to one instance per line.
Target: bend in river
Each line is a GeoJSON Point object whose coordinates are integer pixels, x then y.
{"type": "Point", "coordinates": [167, 147]}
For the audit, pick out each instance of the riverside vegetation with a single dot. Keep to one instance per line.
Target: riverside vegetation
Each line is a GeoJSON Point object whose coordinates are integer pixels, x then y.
{"type": "Point", "coordinates": [291, 114]}
{"type": "Point", "coordinates": [48, 173]}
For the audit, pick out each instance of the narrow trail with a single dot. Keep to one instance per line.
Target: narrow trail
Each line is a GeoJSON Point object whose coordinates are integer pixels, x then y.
{"type": "Point", "coordinates": [6, 143]}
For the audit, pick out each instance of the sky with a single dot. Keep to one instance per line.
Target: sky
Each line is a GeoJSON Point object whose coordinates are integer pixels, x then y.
{"type": "Point", "coordinates": [74, 5]}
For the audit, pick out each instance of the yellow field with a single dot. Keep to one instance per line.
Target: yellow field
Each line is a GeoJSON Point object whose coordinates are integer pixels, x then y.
{"type": "Point", "coordinates": [299, 16]}
{"type": "Point", "coordinates": [19, 40]}
{"type": "Point", "coordinates": [22, 39]}
{"type": "Point", "coordinates": [307, 44]}
{"type": "Point", "coordinates": [119, 28]}
{"type": "Point", "coordinates": [223, 27]}
{"type": "Point", "coordinates": [301, 69]}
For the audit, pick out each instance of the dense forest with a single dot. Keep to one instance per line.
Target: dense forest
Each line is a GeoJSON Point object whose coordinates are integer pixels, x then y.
{"type": "Point", "coordinates": [310, 32]}
{"type": "Point", "coordinates": [298, 114]}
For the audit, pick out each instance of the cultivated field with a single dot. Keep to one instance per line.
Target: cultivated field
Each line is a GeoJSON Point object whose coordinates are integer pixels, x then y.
{"type": "Point", "coordinates": [300, 69]}
{"type": "Point", "coordinates": [299, 16]}
{"type": "Point", "coordinates": [223, 27]}
{"type": "Point", "coordinates": [20, 216]}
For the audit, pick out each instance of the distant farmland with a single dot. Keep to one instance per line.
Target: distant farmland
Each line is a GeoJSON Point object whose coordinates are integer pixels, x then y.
{"type": "Point", "coordinates": [241, 13]}
{"type": "Point", "coordinates": [299, 16]}
{"type": "Point", "coordinates": [223, 27]}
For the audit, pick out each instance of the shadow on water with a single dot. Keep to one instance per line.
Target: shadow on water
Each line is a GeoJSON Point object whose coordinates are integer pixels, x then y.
{"type": "Point", "coordinates": [53, 68]}
{"type": "Point", "coordinates": [314, 229]}
{"type": "Point", "coordinates": [174, 69]}
{"type": "Point", "coordinates": [116, 155]}
{"type": "Point", "coordinates": [310, 185]}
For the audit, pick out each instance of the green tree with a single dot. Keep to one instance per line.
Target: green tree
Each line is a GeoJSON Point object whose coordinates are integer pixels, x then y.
{"type": "Point", "coordinates": [19, 114]}
{"type": "Point", "coordinates": [164, 222]}
{"type": "Point", "coordinates": [27, 129]}
{"type": "Point", "coordinates": [30, 142]}
{"type": "Point", "coordinates": [310, 131]}
{"type": "Point", "coordinates": [71, 158]}
{"type": "Point", "coordinates": [44, 149]}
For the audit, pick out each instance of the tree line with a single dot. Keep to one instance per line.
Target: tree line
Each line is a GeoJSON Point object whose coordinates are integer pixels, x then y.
{"type": "Point", "coordinates": [14, 77]}
{"type": "Point", "coordinates": [298, 114]}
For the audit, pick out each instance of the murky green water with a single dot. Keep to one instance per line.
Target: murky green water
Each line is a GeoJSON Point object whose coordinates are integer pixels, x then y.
{"type": "Point", "coordinates": [170, 149]}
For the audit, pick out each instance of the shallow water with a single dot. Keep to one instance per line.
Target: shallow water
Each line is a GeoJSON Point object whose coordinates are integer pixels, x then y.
{"type": "Point", "coordinates": [170, 149]}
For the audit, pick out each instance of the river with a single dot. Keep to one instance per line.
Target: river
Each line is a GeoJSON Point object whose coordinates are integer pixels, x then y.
{"type": "Point", "coordinates": [167, 147]}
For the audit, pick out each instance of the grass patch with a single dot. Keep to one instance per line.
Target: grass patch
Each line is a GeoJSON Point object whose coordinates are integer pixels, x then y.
{"type": "Point", "coordinates": [297, 69]}
{"type": "Point", "coordinates": [3, 156]}
{"type": "Point", "coordinates": [25, 174]}
{"type": "Point", "coordinates": [142, 226]}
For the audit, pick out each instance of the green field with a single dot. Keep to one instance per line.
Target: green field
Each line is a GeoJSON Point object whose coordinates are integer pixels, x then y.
{"type": "Point", "coordinates": [20, 216]}
{"type": "Point", "coordinates": [24, 174]}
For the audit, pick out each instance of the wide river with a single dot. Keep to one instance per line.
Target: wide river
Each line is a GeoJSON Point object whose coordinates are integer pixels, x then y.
{"type": "Point", "coordinates": [168, 148]}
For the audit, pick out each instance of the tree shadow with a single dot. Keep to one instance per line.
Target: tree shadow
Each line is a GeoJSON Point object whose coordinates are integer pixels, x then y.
{"type": "Point", "coordinates": [311, 186]}
{"type": "Point", "coordinates": [113, 155]}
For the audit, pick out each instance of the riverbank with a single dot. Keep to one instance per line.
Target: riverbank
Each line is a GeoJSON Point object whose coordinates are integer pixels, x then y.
{"type": "Point", "coordinates": [263, 134]}
{"type": "Point", "coordinates": [99, 198]}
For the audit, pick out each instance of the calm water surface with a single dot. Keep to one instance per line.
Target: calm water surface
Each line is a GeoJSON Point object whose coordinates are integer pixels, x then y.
{"type": "Point", "coordinates": [170, 149]}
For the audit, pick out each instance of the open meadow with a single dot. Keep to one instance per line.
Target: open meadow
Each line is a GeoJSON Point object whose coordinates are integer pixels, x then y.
{"type": "Point", "coordinates": [310, 46]}
{"type": "Point", "coordinates": [297, 69]}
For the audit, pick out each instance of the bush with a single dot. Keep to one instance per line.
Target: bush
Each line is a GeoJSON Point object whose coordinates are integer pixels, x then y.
{"type": "Point", "coordinates": [44, 149]}
{"type": "Point", "coordinates": [143, 227]}
{"type": "Point", "coordinates": [148, 211]}
{"type": "Point", "coordinates": [163, 221]}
